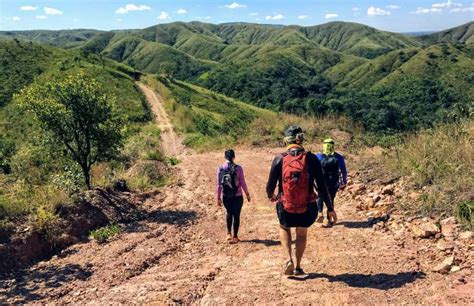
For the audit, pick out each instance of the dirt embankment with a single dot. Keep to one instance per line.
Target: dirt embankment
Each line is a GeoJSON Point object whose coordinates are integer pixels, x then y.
{"type": "Point", "coordinates": [22, 245]}
{"type": "Point", "coordinates": [177, 252]}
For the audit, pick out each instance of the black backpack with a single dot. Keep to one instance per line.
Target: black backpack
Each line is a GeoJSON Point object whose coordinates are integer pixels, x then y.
{"type": "Point", "coordinates": [330, 166]}
{"type": "Point", "coordinates": [229, 187]}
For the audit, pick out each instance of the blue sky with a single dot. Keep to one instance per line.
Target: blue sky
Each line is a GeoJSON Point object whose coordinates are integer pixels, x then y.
{"type": "Point", "coordinates": [397, 16]}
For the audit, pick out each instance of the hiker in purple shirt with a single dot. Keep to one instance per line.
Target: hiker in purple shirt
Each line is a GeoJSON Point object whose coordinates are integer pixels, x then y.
{"type": "Point", "coordinates": [230, 182]}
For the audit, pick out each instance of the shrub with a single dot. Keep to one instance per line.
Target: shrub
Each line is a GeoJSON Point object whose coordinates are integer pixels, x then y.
{"type": "Point", "coordinates": [465, 213]}
{"type": "Point", "coordinates": [103, 234]}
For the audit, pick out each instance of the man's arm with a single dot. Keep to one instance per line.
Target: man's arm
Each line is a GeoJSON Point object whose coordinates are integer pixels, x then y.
{"type": "Point", "coordinates": [342, 164]}
{"type": "Point", "coordinates": [322, 188]}
{"type": "Point", "coordinates": [274, 176]}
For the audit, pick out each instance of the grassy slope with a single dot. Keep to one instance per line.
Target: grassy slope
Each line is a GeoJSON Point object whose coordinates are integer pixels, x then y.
{"type": "Point", "coordinates": [452, 66]}
{"type": "Point", "coordinates": [461, 34]}
{"type": "Point", "coordinates": [40, 180]}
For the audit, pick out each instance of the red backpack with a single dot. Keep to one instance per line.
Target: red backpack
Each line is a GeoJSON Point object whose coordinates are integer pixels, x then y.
{"type": "Point", "coordinates": [295, 178]}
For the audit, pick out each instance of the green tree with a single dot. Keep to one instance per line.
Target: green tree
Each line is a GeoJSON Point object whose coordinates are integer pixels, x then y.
{"type": "Point", "coordinates": [75, 113]}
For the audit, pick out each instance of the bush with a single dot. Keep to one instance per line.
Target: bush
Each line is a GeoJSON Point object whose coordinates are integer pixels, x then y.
{"type": "Point", "coordinates": [465, 213]}
{"type": "Point", "coordinates": [103, 234]}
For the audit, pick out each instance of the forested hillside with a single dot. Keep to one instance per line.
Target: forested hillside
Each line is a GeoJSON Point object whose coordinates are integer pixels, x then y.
{"type": "Point", "coordinates": [373, 76]}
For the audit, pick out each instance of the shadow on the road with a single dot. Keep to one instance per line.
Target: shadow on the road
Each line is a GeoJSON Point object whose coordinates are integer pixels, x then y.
{"type": "Point", "coordinates": [266, 242]}
{"type": "Point", "coordinates": [23, 285]}
{"type": "Point", "coordinates": [354, 224]}
{"type": "Point", "coordinates": [380, 281]}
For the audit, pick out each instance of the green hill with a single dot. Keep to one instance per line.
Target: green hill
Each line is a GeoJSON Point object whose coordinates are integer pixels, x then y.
{"type": "Point", "coordinates": [24, 63]}
{"type": "Point", "coordinates": [306, 70]}
{"type": "Point", "coordinates": [60, 38]}
{"type": "Point", "coordinates": [461, 34]}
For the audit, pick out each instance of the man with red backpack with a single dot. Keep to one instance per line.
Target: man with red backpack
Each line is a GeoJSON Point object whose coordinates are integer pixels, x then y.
{"type": "Point", "coordinates": [296, 171]}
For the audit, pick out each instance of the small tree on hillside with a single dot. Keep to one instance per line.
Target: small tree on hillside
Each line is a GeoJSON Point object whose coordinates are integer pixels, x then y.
{"type": "Point", "coordinates": [78, 115]}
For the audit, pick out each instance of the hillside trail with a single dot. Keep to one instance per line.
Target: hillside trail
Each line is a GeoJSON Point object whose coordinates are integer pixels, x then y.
{"type": "Point", "coordinates": [178, 254]}
{"type": "Point", "coordinates": [171, 142]}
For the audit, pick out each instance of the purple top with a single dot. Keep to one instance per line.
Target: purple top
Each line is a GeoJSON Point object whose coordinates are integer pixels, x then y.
{"type": "Point", "coordinates": [240, 180]}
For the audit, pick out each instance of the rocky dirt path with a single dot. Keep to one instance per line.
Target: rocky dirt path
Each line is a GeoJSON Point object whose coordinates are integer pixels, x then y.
{"type": "Point", "coordinates": [178, 255]}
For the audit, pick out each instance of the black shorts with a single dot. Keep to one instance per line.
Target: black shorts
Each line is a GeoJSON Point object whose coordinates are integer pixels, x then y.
{"type": "Point", "coordinates": [305, 219]}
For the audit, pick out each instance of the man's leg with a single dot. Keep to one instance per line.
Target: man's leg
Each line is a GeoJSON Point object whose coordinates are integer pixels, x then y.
{"type": "Point", "coordinates": [320, 205]}
{"type": "Point", "coordinates": [301, 233]}
{"type": "Point", "coordinates": [285, 239]}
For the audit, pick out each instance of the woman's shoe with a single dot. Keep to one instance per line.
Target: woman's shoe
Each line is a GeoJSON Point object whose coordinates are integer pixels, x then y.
{"type": "Point", "coordinates": [236, 240]}
{"type": "Point", "coordinates": [320, 218]}
{"type": "Point", "coordinates": [289, 268]}
{"type": "Point", "coordinates": [229, 238]}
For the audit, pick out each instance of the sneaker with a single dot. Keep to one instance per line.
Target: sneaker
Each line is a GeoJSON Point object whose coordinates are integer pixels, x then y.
{"type": "Point", "coordinates": [320, 218]}
{"type": "Point", "coordinates": [236, 240]}
{"type": "Point", "coordinates": [329, 224]}
{"type": "Point", "coordinates": [298, 271]}
{"type": "Point", "coordinates": [289, 268]}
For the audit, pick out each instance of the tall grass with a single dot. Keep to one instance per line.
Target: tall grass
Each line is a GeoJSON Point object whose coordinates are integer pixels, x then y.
{"type": "Point", "coordinates": [441, 161]}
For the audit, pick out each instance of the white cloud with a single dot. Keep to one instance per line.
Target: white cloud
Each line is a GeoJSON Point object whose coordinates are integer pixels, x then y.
{"type": "Point", "coordinates": [75, 20]}
{"type": "Point", "coordinates": [355, 9]}
{"type": "Point", "coordinates": [204, 18]}
{"type": "Point", "coordinates": [119, 19]}
{"type": "Point", "coordinates": [375, 11]}
{"type": "Point", "coordinates": [52, 11]}
{"type": "Point", "coordinates": [275, 17]}
{"type": "Point", "coordinates": [164, 16]}
{"type": "Point", "coordinates": [393, 7]}
{"type": "Point", "coordinates": [235, 5]}
{"type": "Point", "coordinates": [181, 11]}
{"type": "Point", "coordinates": [330, 15]}
{"type": "Point", "coordinates": [463, 10]}
{"type": "Point", "coordinates": [16, 18]}
{"type": "Point", "coordinates": [422, 10]}
{"type": "Point", "coordinates": [447, 4]}
{"type": "Point", "coordinates": [132, 7]}
{"type": "Point", "coordinates": [303, 17]}
{"type": "Point", "coordinates": [28, 8]}
{"type": "Point", "coordinates": [253, 14]}
{"type": "Point", "coordinates": [41, 17]}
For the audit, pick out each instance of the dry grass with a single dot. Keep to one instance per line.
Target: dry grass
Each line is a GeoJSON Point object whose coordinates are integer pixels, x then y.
{"type": "Point", "coordinates": [440, 160]}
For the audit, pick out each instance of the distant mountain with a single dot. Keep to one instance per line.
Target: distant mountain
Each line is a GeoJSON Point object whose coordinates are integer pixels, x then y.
{"type": "Point", "coordinates": [332, 67]}
{"type": "Point", "coordinates": [461, 34]}
{"type": "Point", "coordinates": [60, 38]}
{"type": "Point", "coordinates": [416, 34]}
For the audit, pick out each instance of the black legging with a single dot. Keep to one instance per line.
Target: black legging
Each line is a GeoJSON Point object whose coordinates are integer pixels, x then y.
{"type": "Point", "coordinates": [332, 194]}
{"type": "Point", "coordinates": [233, 205]}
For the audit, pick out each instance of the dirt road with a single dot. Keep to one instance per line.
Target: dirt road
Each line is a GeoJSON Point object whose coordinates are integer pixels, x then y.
{"type": "Point", "coordinates": [178, 254]}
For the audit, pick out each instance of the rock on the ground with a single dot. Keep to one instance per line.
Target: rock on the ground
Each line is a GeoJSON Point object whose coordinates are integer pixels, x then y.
{"type": "Point", "coordinates": [445, 266]}
{"type": "Point", "coordinates": [465, 235]}
{"type": "Point", "coordinates": [455, 269]}
{"type": "Point", "coordinates": [445, 245]}
{"type": "Point", "coordinates": [425, 229]}
{"type": "Point", "coordinates": [388, 190]}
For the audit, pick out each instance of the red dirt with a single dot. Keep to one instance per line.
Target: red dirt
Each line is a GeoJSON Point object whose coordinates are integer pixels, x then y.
{"type": "Point", "coordinates": [178, 255]}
